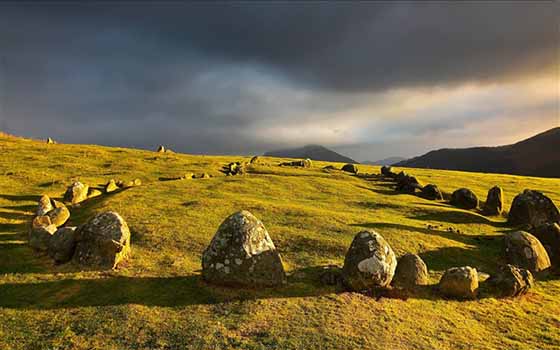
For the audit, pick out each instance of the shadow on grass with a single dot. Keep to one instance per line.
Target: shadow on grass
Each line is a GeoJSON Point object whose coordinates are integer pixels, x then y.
{"type": "Point", "coordinates": [17, 198]}
{"type": "Point", "coordinates": [455, 217]}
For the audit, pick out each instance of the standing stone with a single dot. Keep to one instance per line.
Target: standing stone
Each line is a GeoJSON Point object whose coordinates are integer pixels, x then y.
{"type": "Point", "coordinates": [532, 208]}
{"type": "Point", "coordinates": [50, 141]}
{"type": "Point", "coordinates": [111, 186]}
{"type": "Point", "coordinates": [549, 235]}
{"type": "Point", "coordinates": [494, 201]}
{"type": "Point", "coordinates": [40, 233]}
{"type": "Point", "coordinates": [59, 216]}
{"type": "Point", "coordinates": [44, 205]}
{"type": "Point", "coordinates": [76, 193]}
{"type": "Point", "coordinates": [161, 149]}
{"type": "Point", "coordinates": [524, 250]}
{"type": "Point", "coordinates": [459, 282]}
{"type": "Point", "coordinates": [350, 168]}
{"type": "Point", "coordinates": [386, 170]}
{"type": "Point", "coordinates": [464, 198]}
{"type": "Point", "coordinates": [62, 244]}
{"type": "Point", "coordinates": [103, 242]}
{"type": "Point", "coordinates": [306, 163]}
{"type": "Point", "coordinates": [431, 192]}
{"type": "Point", "coordinates": [370, 262]}
{"type": "Point", "coordinates": [511, 281]}
{"type": "Point", "coordinates": [411, 271]}
{"type": "Point", "coordinates": [242, 253]}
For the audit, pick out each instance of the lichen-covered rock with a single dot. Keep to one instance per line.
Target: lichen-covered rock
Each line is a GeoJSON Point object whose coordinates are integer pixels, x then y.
{"type": "Point", "coordinates": [459, 282]}
{"type": "Point", "coordinates": [549, 235]}
{"type": "Point", "coordinates": [494, 201]}
{"type": "Point", "coordinates": [511, 281]}
{"type": "Point", "coordinates": [533, 208]}
{"type": "Point", "coordinates": [350, 168]}
{"type": "Point", "coordinates": [524, 250]}
{"type": "Point", "coordinates": [40, 235]}
{"type": "Point", "coordinates": [242, 253]}
{"type": "Point", "coordinates": [370, 262]}
{"type": "Point", "coordinates": [44, 205]}
{"type": "Point", "coordinates": [62, 244]}
{"type": "Point", "coordinates": [431, 192]}
{"type": "Point", "coordinates": [59, 216]}
{"type": "Point", "coordinates": [411, 271]}
{"type": "Point", "coordinates": [464, 198]}
{"type": "Point", "coordinates": [103, 242]}
{"type": "Point", "coordinates": [76, 193]}
{"type": "Point", "coordinates": [111, 186]}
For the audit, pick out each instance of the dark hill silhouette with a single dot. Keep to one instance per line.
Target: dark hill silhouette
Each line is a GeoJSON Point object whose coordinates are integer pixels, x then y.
{"type": "Point", "coordinates": [535, 156]}
{"type": "Point", "coordinates": [385, 161]}
{"type": "Point", "coordinates": [314, 152]}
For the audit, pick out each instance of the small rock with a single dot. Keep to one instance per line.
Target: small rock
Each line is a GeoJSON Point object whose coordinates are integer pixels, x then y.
{"type": "Point", "coordinates": [387, 170]}
{"type": "Point", "coordinates": [431, 192]}
{"type": "Point", "coordinates": [44, 205]}
{"type": "Point", "coordinates": [524, 250]}
{"type": "Point", "coordinates": [59, 216]}
{"type": "Point", "coordinates": [161, 149]}
{"type": "Point", "coordinates": [111, 186]}
{"type": "Point", "coordinates": [411, 271]}
{"type": "Point", "coordinates": [137, 182]}
{"type": "Point", "coordinates": [93, 192]}
{"type": "Point", "coordinates": [350, 168]}
{"type": "Point", "coordinates": [511, 281]}
{"type": "Point", "coordinates": [464, 198]}
{"type": "Point", "coordinates": [76, 193]}
{"type": "Point", "coordinates": [459, 282]}
{"type": "Point", "coordinates": [50, 141]}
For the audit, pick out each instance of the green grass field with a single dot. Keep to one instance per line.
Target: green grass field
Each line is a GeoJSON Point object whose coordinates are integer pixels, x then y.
{"type": "Point", "coordinates": [158, 300]}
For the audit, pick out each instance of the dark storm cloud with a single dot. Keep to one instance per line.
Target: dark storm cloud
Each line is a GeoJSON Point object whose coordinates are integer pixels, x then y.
{"type": "Point", "coordinates": [207, 77]}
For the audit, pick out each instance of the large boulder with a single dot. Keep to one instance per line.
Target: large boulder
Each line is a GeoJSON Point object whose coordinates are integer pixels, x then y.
{"type": "Point", "coordinates": [411, 271]}
{"type": "Point", "coordinates": [431, 192]}
{"type": "Point", "coordinates": [549, 235]}
{"type": "Point", "coordinates": [103, 242]}
{"type": "Point", "coordinates": [62, 244]}
{"type": "Point", "coordinates": [511, 281]}
{"type": "Point", "coordinates": [524, 250]}
{"type": "Point", "coordinates": [370, 262]}
{"type": "Point", "coordinates": [532, 208]}
{"type": "Point", "coordinates": [44, 205]}
{"type": "Point", "coordinates": [76, 193]}
{"type": "Point", "coordinates": [494, 204]}
{"type": "Point", "coordinates": [40, 233]}
{"type": "Point", "coordinates": [459, 282]}
{"type": "Point", "coordinates": [350, 168]}
{"type": "Point", "coordinates": [464, 198]}
{"type": "Point", "coordinates": [59, 215]}
{"type": "Point", "coordinates": [242, 253]}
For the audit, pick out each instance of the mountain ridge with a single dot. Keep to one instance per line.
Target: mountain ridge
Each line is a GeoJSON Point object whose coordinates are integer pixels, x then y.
{"type": "Point", "coordinates": [313, 152]}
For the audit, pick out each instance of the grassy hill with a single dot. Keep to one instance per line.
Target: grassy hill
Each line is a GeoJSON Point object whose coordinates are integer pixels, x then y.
{"type": "Point", "coordinates": [158, 300]}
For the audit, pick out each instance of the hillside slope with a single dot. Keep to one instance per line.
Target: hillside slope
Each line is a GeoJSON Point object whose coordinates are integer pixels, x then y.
{"type": "Point", "coordinates": [314, 152]}
{"type": "Point", "coordinates": [385, 161]}
{"type": "Point", "coordinates": [536, 156]}
{"type": "Point", "coordinates": [158, 300]}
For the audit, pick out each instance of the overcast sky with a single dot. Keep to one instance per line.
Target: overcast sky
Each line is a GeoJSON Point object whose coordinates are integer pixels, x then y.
{"type": "Point", "coordinates": [370, 79]}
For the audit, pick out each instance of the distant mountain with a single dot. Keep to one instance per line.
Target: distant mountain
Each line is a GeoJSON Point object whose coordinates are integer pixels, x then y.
{"type": "Point", "coordinates": [386, 161]}
{"type": "Point", "coordinates": [535, 156]}
{"type": "Point", "coordinates": [314, 152]}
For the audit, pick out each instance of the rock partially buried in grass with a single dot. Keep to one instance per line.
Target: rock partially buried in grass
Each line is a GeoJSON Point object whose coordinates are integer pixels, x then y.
{"type": "Point", "coordinates": [44, 205]}
{"type": "Point", "coordinates": [242, 254]}
{"type": "Point", "coordinates": [533, 208]}
{"type": "Point", "coordinates": [511, 281]}
{"type": "Point", "coordinates": [111, 186]}
{"type": "Point", "coordinates": [103, 242]}
{"type": "Point", "coordinates": [350, 168]}
{"type": "Point", "coordinates": [459, 282]}
{"type": "Point", "coordinates": [464, 198]}
{"type": "Point", "coordinates": [41, 232]}
{"type": "Point", "coordinates": [370, 262]}
{"type": "Point", "coordinates": [62, 244]}
{"type": "Point", "coordinates": [76, 193]}
{"type": "Point", "coordinates": [524, 250]}
{"type": "Point", "coordinates": [431, 192]}
{"type": "Point", "coordinates": [411, 272]}
{"type": "Point", "coordinates": [59, 216]}
{"type": "Point", "coordinates": [549, 235]}
{"type": "Point", "coordinates": [494, 201]}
